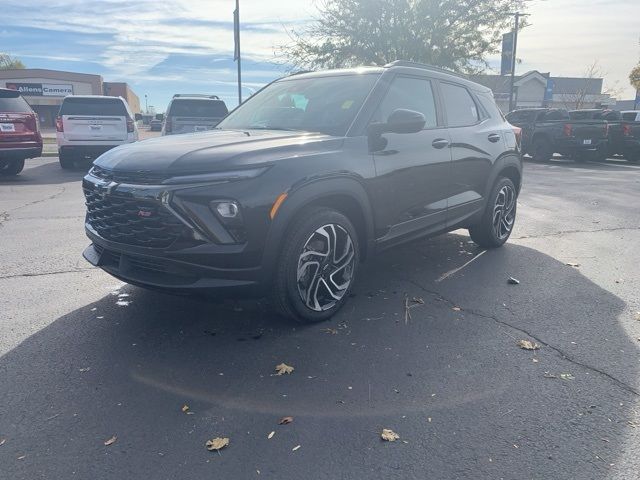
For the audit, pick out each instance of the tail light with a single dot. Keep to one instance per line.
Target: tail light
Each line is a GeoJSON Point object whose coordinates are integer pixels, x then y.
{"type": "Point", "coordinates": [130, 128]}
{"type": "Point", "coordinates": [626, 130]}
{"type": "Point", "coordinates": [32, 123]}
{"type": "Point", "coordinates": [567, 130]}
{"type": "Point", "coordinates": [518, 132]}
{"type": "Point", "coordinates": [59, 124]}
{"type": "Point", "coordinates": [167, 125]}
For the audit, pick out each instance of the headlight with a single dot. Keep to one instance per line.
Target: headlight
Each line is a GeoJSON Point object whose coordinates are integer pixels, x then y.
{"type": "Point", "coordinates": [227, 176]}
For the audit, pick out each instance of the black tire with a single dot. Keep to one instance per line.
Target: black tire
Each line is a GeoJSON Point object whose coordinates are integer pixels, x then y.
{"type": "Point", "coordinates": [294, 295]}
{"type": "Point", "coordinates": [486, 233]}
{"type": "Point", "coordinates": [11, 167]}
{"type": "Point", "coordinates": [633, 157]}
{"type": "Point", "coordinates": [66, 161]}
{"type": "Point", "coordinates": [541, 150]}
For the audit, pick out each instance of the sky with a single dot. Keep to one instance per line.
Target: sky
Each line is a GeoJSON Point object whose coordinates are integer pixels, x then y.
{"type": "Point", "coordinates": [186, 46]}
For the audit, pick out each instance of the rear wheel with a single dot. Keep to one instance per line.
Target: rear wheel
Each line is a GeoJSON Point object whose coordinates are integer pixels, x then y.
{"type": "Point", "coordinates": [317, 266]}
{"type": "Point", "coordinates": [66, 161]}
{"type": "Point", "coordinates": [541, 150]}
{"type": "Point", "coordinates": [499, 217]}
{"type": "Point", "coordinates": [11, 167]}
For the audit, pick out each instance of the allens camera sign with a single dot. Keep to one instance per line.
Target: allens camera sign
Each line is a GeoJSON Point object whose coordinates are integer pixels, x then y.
{"type": "Point", "coordinates": [42, 89]}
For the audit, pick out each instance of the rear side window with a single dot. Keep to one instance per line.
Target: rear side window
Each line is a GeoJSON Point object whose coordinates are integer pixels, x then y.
{"type": "Point", "coordinates": [460, 107]}
{"type": "Point", "coordinates": [629, 116]}
{"type": "Point", "coordinates": [409, 93]}
{"type": "Point", "coordinates": [198, 108]}
{"type": "Point", "coordinates": [93, 106]}
{"type": "Point", "coordinates": [11, 102]}
{"type": "Point", "coordinates": [489, 105]}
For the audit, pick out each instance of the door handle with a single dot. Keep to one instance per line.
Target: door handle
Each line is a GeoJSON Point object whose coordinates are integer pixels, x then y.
{"type": "Point", "coordinates": [493, 137]}
{"type": "Point", "coordinates": [440, 143]}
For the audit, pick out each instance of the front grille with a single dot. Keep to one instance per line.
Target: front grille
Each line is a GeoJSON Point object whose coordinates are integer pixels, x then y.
{"type": "Point", "coordinates": [131, 221]}
{"type": "Point", "coordinates": [136, 178]}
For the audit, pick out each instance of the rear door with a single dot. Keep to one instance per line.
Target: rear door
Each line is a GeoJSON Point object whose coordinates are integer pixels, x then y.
{"type": "Point", "coordinates": [17, 121]}
{"type": "Point", "coordinates": [477, 140]}
{"type": "Point", "coordinates": [97, 119]}
{"type": "Point", "coordinates": [196, 115]}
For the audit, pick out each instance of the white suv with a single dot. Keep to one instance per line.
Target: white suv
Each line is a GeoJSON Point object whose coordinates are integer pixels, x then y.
{"type": "Point", "coordinates": [89, 125]}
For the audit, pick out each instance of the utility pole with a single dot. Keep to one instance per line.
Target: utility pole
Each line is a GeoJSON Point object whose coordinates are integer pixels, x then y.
{"type": "Point", "coordinates": [513, 59]}
{"type": "Point", "coordinates": [146, 105]}
{"type": "Point", "coordinates": [236, 55]}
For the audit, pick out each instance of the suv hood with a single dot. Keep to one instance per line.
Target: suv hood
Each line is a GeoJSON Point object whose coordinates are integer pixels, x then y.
{"type": "Point", "coordinates": [215, 150]}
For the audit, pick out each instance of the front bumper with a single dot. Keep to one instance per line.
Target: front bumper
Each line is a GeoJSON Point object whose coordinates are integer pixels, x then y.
{"type": "Point", "coordinates": [184, 259]}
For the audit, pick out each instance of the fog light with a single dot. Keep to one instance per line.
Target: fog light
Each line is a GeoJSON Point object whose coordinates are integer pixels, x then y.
{"type": "Point", "coordinates": [227, 209]}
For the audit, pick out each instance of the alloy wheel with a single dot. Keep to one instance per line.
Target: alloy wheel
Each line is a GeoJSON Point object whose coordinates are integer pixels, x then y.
{"type": "Point", "coordinates": [325, 267]}
{"type": "Point", "coordinates": [504, 212]}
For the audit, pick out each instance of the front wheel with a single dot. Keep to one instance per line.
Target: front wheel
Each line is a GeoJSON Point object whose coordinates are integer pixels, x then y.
{"type": "Point", "coordinates": [66, 161]}
{"type": "Point", "coordinates": [499, 216]}
{"type": "Point", "coordinates": [11, 167]}
{"type": "Point", "coordinates": [317, 266]}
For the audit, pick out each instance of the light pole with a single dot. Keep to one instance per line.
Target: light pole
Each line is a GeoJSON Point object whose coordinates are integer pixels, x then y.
{"type": "Point", "coordinates": [236, 53]}
{"type": "Point", "coordinates": [513, 58]}
{"type": "Point", "coordinates": [146, 106]}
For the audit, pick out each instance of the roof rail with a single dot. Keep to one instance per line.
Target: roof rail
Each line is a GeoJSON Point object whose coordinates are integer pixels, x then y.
{"type": "Point", "coordinates": [424, 66]}
{"type": "Point", "coordinates": [300, 72]}
{"type": "Point", "coordinates": [200, 95]}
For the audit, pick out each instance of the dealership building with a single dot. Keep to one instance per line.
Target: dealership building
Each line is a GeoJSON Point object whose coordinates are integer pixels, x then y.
{"type": "Point", "coordinates": [44, 89]}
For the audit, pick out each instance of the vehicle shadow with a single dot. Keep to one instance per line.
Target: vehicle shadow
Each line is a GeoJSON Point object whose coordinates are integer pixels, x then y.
{"type": "Point", "coordinates": [46, 172]}
{"type": "Point", "coordinates": [447, 376]}
{"type": "Point", "coordinates": [610, 164]}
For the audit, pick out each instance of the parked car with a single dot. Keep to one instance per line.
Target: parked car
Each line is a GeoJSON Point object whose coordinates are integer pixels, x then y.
{"type": "Point", "coordinates": [155, 125]}
{"type": "Point", "coordinates": [546, 131]}
{"type": "Point", "coordinates": [303, 181]}
{"type": "Point", "coordinates": [630, 128]}
{"type": "Point", "coordinates": [614, 125]}
{"type": "Point", "coordinates": [20, 136]}
{"type": "Point", "coordinates": [189, 113]}
{"type": "Point", "coordinates": [89, 125]}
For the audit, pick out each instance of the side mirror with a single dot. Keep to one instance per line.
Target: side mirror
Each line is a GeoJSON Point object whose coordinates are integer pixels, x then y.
{"type": "Point", "coordinates": [400, 121]}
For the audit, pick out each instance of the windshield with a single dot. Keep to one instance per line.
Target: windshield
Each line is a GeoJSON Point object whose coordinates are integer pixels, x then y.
{"type": "Point", "coordinates": [318, 104]}
{"type": "Point", "coordinates": [200, 108]}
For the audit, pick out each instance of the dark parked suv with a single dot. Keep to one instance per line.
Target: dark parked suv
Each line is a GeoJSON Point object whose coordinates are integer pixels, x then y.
{"type": "Point", "coordinates": [297, 186]}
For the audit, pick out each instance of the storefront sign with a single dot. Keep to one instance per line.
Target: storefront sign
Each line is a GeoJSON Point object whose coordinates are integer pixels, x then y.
{"type": "Point", "coordinates": [42, 89]}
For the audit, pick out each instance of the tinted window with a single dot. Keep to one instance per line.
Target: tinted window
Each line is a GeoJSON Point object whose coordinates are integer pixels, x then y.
{"type": "Point", "coordinates": [629, 116]}
{"type": "Point", "coordinates": [326, 104]}
{"type": "Point", "coordinates": [460, 107]}
{"type": "Point", "coordinates": [11, 102]}
{"type": "Point", "coordinates": [489, 105]}
{"type": "Point", "coordinates": [521, 116]}
{"type": "Point", "coordinates": [93, 106]}
{"type": "Point", "coordinates": [555, 115]}
{"type": "Point", "coordinates": [200, 108]}
{"type": "Point", "coordinates": [410, 94]}
{"type": "Point", "coordinates": [584, 114]}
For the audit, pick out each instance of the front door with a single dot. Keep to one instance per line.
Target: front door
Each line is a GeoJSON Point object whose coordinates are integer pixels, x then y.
{"type": "Point", "coordinates": [409, 194]}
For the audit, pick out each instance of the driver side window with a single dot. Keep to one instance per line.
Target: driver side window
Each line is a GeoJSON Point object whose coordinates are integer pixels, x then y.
{"type": "Point", "coordinates": [411, 94]}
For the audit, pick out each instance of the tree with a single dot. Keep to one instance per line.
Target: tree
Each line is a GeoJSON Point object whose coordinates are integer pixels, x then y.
{"type": "Point", "coordinates": [7, 62]}
{"type": "Point", "coordinates": [455, 34]}
{"type": "Point", "coordinates": [634, 77]}
{"type": "Point", "coordinates": [582, 96]}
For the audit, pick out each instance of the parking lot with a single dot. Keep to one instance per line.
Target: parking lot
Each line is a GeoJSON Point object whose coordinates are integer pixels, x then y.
{"type": "Point", "coordinates": [84, 358]}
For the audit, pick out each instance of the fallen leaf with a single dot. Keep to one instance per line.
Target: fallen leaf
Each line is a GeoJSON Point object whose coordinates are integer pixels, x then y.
{"type": "Point", "coordinates": [217, 443]}
{"type": "Point", "coordinates": [528, 345]}
{"type": "Point", "coordinates": [456, 309]}
{"type": "Point", "coordinates": [285, 420]}
{"type": "Point", "coordinates": [638, 316]}
{"type": "Point", "coordinates": [572, 264]}
{"type": "Point", "coordinates": [295, 448]}
{"type": "Point", "coordinates": [549, 375]}
{"type": "Point", "coordinates": [185, 408]}
{"type": "Point", "coordinates": [284, 368]}
{"type": "Point", "coordinates": [418, 300]}
{"type": "Point", "coordinates": [331, 331]}
{"type": "Point", "coordinates": [567, 376]}
{"type": "Point", "coordinates": [111, 441]}
{"type": "Point", "coordinates": [389, 435]}
{"type": "Point", "coordinates": [271, 435]}
{"type": "Point", "coordinates": [513, 281]}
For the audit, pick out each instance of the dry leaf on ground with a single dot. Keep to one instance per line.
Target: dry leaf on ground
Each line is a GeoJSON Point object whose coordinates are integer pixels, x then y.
{"type": "Point", "coordinates": [389, 435]}
{"type": "Point", "coordinates": [456, 309]}
{"type": "Point", "coordinates": [573, 264]}
{"type": "Point", "coordinates": [638, 316]}
{"type": "Point", "coordinates": [528, 345]}
{"type": "Point", "coordinates": [567, 376]}
{"type": "Point", "coordinates": [284, 368]}
{"type": "Point", "coordinates": [513, 281]}
{"type": "Point", "coordinates": [111, 441]}
{"type": "Point", "coordinates": [285, 420]}
{"type": "Point", "coordinates": [217, 443]}
{"type": "Point", "coordinates": [331, 331]}
{"type": "Point", "coordinates": [185, 408]}
{"type": "Point", "coordinates": [271, 435]}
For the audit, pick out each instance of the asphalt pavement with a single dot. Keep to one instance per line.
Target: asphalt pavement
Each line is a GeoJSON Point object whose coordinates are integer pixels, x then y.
{"type": "Point", "coordinates": [85, 358]}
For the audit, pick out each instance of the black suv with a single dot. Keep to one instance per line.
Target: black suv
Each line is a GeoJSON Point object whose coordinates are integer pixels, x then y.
{"type": "Point", "coordinates": [298, 185]}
